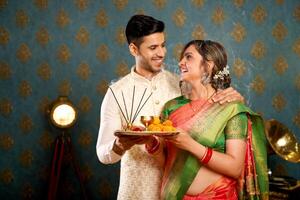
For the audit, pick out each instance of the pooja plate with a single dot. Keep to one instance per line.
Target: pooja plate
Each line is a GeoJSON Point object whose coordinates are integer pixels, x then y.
{"type": "Point", "coordinates": [145, 133]}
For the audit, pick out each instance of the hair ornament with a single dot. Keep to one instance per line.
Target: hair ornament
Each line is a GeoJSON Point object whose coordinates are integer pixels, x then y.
{"type": "Point", "coordinates": [222, 74]}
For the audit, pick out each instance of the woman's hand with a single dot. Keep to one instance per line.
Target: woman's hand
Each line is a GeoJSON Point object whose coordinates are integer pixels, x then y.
{"type": "Point", "coordinates": [182, 140]}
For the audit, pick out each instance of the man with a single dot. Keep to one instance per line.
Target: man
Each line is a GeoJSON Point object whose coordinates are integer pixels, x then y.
{"type": "Point", "coordinates": [140, 172]}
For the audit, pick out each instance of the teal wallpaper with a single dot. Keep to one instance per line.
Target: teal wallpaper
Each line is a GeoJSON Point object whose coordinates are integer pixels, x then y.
{"type": "Point", "coordinates": [76, 47]}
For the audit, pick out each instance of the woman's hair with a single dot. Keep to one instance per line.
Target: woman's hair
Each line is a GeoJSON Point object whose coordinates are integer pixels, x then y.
{"type": "Point", "coordinates": [213, 51]}
{"type": "Point", "coordinates": [142, 25]}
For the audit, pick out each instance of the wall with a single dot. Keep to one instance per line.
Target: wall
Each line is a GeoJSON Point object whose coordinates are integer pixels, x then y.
{"type": "Point", "coordinates": [75, 48]}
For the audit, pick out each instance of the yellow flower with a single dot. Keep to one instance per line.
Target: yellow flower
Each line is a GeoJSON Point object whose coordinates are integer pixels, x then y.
{"type": "Point", "coordinates": [167, 123]}
{"type": "Point", "coordinates": [156, 120]}
{"type": "Point", "coordinates": [154, 127]}
{"type": "Point", "coordinates": [167, 128]}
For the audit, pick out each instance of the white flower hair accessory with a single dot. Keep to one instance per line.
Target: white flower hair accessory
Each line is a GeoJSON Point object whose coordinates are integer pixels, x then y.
{"type": "Point", "coordinates": [222, 74]}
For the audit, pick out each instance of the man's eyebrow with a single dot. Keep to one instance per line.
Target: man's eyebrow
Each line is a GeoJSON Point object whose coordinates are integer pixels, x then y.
{"type": "Point", "coordinates": [156, 45]}
{"type": "Point", "coordinates": [153, 45]}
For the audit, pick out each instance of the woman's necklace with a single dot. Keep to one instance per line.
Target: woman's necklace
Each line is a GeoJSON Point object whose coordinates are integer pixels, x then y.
{"type": "Point", "coordinates": [197, 107]}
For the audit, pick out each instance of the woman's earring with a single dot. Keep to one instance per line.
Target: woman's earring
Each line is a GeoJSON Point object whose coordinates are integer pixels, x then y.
{"type": "Point", "coordinates": [205, 78]}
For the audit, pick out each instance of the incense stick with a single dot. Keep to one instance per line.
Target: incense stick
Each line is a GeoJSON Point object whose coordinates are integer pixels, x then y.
{"type": "Point", "coordinates": [142, 107]}
{"type": "Point", "coordinates": [135, 114]}
{"type": "Point", "coordinates": [118, 105]}
{"type": "Point", "coordinates": [132, 103]}
{"type": "Point", "coordinates": [138, 109]}
{"type": "Point", "coordinates": [125, 105]}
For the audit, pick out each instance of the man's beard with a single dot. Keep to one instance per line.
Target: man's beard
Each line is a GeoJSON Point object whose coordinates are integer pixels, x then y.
{"type": "Point", "coordinates": [154, 69]}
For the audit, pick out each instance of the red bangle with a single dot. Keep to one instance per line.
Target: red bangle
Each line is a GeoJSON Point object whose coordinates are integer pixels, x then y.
{"type": "Point", "coordinates": [154, 148]}
{"type": "Point", "coordinates": [207, 156]}
{"type": "Point", "coordinates": [204, 155]}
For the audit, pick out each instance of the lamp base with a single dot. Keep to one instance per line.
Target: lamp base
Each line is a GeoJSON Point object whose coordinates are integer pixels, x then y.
{"type": "Point", "coordinates": [63, 152]}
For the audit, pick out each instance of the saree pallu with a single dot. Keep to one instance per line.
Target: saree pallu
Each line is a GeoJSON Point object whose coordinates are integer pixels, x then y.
{"type": "Point", "coordinates": [206, 127]}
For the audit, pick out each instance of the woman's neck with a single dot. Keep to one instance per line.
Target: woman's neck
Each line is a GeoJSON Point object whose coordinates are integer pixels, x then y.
{"type": "Point", "coordinates": [200, 91]}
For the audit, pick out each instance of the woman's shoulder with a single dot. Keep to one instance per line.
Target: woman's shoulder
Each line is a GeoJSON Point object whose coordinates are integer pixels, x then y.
{"type": "Point", "coordinates": [174, 103]}
{"type": "Point", "coordinates": [239, 107]}
{"type": "Point", "coordinates": [177, 100]}
{"type": "Point", "coordinates": [235, 104]}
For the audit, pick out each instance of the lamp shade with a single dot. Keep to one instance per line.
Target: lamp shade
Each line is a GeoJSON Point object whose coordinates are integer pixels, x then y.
{"type": "Point", "coordinates": [62, 113]}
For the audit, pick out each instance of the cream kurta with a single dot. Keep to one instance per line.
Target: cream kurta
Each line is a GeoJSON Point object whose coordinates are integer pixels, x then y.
{"type": "Point", "coordinates": [141, 174]}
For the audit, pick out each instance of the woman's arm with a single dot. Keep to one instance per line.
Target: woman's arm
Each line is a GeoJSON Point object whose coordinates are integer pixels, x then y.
{"type": "Point", "coordinates": [229, 163]}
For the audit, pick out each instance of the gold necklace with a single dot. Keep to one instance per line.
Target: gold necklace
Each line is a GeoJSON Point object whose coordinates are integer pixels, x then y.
{"type": "Point", "coordinates": [198, 107]}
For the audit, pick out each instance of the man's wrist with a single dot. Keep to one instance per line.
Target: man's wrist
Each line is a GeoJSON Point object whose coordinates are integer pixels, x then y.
{"type": "Point", "coordinates": [117, 149]}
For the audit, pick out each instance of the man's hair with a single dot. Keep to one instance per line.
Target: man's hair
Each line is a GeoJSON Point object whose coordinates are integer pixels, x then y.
{"type": "Point", "coordinates": [142, 25]}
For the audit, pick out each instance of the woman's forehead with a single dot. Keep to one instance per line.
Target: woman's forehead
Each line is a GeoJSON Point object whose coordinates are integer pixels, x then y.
{"type": "Point", "coordinates": [191, 49]}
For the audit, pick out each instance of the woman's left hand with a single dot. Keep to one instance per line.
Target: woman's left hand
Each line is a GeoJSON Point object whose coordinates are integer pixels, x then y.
{"type": "Point", "coordinates": [182, 140]}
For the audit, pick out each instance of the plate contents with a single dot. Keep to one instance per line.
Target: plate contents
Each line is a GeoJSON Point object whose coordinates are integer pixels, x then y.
{"type": "Point", "coordinates": [153, 127]}
{"type": "Point", "coordinates": [158, 125]}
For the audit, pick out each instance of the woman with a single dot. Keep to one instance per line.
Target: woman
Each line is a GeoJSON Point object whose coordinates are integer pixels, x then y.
{"type": "Point", "coordinates": [220, 150]}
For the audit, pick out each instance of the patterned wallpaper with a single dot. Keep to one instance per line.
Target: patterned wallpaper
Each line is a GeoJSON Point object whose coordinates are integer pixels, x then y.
{"type": "Point", "coordinates": [76, 47]}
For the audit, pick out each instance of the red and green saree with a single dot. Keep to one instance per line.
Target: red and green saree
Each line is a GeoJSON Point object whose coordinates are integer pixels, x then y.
{"type": "Point", "coordinates": [207, 123]}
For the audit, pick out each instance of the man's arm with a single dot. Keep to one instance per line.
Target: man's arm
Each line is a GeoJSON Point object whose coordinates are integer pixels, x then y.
{"type": "Point", "coordinates": [110, 122]}
{"type": "Point", "coordinates": [109, 147]}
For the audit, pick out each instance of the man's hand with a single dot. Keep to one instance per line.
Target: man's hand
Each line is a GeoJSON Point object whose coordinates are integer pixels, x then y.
{"type": "Point", "coordinates": [227, 95]}
{"type": "Point", "coordinates": [124, 143]}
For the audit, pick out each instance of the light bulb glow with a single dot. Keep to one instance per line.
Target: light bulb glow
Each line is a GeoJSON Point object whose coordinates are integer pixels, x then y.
{"type": "Point", "coordinates": [282, 142]}
{"type": "Point", "coordinates": [64, 115]}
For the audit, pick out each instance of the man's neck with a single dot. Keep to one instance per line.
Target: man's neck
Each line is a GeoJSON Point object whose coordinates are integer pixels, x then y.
{"type": "Point", "coordinates": [145, 73]}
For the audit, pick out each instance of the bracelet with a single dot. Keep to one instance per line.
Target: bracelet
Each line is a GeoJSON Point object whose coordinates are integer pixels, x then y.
{"type": "Point", "coordinates": [154, 148]}
{"type": "Point", "coordinates": [207, 156]}
{"type": "Point", "coordinates": [204, 155]}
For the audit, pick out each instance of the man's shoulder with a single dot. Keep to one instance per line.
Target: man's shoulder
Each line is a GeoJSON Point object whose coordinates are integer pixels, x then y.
{"type": "Point", "coordinates": [171, 75]}
{"type": "Point", "coordinates": [121, 82]}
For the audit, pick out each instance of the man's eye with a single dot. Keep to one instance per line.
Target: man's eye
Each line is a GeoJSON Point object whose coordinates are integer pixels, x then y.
{"type": "Point", "coordinates": [152, 48]}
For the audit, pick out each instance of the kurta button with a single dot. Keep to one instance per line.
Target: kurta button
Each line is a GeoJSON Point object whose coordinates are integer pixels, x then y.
{"type": "Point", "coordinates": [157, 102]}
{"type": "Point", "coordinates": [154, 87]}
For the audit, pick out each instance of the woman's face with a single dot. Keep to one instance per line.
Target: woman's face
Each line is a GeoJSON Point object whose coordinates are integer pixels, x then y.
{"type": "Point", "coordinates": [191, 65]}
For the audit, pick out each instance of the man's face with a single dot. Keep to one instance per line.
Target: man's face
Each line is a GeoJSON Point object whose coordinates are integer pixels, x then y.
{"type": "Point", "coordinates": [151, 52]}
